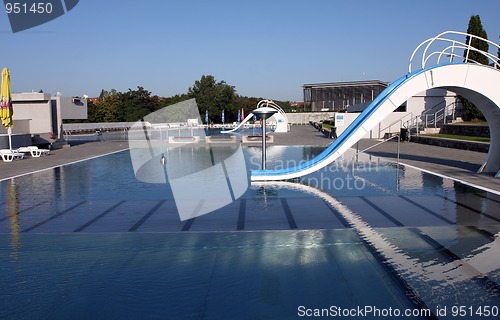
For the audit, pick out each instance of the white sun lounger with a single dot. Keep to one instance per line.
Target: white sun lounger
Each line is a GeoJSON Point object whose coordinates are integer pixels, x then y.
{"type": "Point", "coordinates": [9, 155]}
{"type": "Point", "coordinates": [34, 151]}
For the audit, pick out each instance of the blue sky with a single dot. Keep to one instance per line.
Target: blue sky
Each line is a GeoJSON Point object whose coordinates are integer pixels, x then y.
{"type": "Point", "coordinates": [266, 48]}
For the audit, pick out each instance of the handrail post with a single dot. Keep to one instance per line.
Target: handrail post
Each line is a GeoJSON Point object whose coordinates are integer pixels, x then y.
{"type": "Point", "coordinates": [445, 114]}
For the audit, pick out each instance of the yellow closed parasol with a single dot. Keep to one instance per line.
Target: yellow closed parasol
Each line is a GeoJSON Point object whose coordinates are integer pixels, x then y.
{"type": "Point", "coordinates": [6, 104]}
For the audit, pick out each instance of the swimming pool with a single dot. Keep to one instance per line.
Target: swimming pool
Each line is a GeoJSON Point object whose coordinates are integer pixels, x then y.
{"type": "Point", "coordinates": [88, 240]}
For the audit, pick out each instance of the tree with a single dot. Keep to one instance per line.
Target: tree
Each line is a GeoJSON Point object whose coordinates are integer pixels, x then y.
{"type": "Point", "coordinates": [212, 96]}
{"type": "Point", "coordinates": [475, 28]}
{"type": "Point", "coordinates": [105, 109]}
{"type": "Point", "coordinates": [136, 104]}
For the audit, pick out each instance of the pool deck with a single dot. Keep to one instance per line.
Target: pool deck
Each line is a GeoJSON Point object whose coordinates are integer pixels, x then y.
{"type": "Point", "coordinates": [59, 157]}
{"type": "Point", "coordinates": [459, 164]}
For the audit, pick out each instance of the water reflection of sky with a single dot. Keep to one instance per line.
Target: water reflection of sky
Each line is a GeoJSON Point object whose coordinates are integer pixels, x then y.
{"type": "Point", "coordinates": [112, 177]}
{"type": "Point", "coordinates": [445, 248]}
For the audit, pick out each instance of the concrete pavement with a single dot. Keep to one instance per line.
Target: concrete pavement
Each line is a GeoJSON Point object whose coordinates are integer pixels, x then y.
{"type": "Point", "coordinates": [59, 157]}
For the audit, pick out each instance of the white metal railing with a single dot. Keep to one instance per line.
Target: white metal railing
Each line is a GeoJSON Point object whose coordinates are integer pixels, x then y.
{"type": "Point", "coordinates": [428, 120]}
{"type": "Point", "coordinates": [354, 160]}
{"type": "Point", "coordinates": [444, 45]}
{"type": "Point", "coordinates": [399, 121]}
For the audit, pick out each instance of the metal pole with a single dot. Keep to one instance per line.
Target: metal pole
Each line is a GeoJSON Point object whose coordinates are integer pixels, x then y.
{"type": "Point", "coordinates": [263, 144]}
{"type": "Point", "coordinates": [9, 132]}
{"type": "Point", "coordinates": [397, 167]}
{"type": "Point", "coordinates": [357, 152]}
{"type": "Point", "coordinates": [399, 140]}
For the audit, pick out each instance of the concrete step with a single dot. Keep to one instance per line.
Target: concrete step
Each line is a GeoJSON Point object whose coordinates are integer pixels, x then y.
{"type": "Point", "coordinates": [430, 131]}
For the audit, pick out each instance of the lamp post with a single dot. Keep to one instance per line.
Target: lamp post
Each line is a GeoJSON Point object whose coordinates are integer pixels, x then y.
{"type": "Point", "coordinates": [262, 114]}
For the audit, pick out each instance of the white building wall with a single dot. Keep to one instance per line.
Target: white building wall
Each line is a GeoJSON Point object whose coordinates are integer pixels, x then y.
{"type": "Point", "coordinates": [430, 101]}
{"type": "Point", "coordinates": [39, 113]}
{"type": "Point", "coordinates": [35, 108]}
{"type": "Point", "coordinates": [72, 107]}
{"type": "Point", "coordinates": [305, 117]}
{"type": "Point", "coordinates": [427, 102]}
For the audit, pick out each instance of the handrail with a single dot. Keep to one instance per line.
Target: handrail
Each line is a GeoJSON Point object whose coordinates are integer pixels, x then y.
{"type": "Point", "coordinates": [375, 145]}
{"type": "Point", "coordinates": [441, 114]}
{"type": "Point", "coordinates": [449, 50]}
{"type": "Point", "coordinates": [396, 121]}
{"type": "Point", "coordinates": [428, 111]}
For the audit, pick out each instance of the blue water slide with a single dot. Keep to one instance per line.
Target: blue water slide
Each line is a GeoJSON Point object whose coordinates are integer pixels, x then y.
{"type": "Point", "coordinates": [347, 137]}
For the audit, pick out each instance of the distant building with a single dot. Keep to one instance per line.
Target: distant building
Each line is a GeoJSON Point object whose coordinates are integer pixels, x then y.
{"type": "Point", "coordinates": [430, 108]}
{"type": "Point", "coordinates": [38, 117]}
{"type": "Point", "coordinates": [337, 96]}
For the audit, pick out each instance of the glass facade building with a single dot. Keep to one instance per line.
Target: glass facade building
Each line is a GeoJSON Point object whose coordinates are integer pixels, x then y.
{"type": "Point", "coordinates": [337, 96]}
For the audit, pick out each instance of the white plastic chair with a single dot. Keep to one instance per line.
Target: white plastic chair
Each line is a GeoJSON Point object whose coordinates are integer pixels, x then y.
{"type": "Point", "coordinates": [34, 151]}
{"type": "Point", "coordinates": [9, 155]}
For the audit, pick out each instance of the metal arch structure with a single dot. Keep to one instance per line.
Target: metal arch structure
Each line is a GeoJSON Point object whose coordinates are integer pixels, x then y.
{"type": "Point", "coordinates": [280, 117]}
{"type": "Point", "coordinates": [474, 81]}
{"type": "Point", "coordinates": [446, 45]}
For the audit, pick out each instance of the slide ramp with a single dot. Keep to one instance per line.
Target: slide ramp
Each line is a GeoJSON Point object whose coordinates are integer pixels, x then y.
{"type": "Point", "coordinates": [475, 82]}
{"type": "Point", "coordinates": [250, 116]}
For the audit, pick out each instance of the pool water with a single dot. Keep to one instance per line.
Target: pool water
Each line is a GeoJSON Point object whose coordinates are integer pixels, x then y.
{"type": "Point", "coordinates": [88, 240]}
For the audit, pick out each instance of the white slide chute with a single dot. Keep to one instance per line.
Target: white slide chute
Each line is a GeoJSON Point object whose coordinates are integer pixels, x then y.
{"type": "Point", "coordinates": [476, 82]}
{"type": "Point", "coordinates": [250, 116]}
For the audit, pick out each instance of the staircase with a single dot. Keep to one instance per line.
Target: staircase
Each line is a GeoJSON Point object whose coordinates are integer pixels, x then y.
{"type": "Point", "coordinates": [431, 122]}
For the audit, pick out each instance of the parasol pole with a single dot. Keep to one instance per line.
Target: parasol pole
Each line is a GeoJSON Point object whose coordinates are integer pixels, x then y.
{"type": "Point", "coordinates": [9, 132]}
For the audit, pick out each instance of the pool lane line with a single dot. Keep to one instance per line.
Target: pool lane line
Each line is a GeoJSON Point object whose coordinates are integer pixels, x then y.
{"type": "Point", "coordinates": [485, 197]}
{"type": "Point", "coordinates": [451, 256]}
{"type": "Point", "coordinates": [469, 208]}
{"type": "Point", "coordinates": [470, 184]}
{"type": "Point", "coordinates": [241, 215]}
{"type": "Point", "coordinates": [447, 253]}
{"type": "Point", "coordinates": [146, 216]}
{"type": "Point", "coordinates": [369, 238]}
{"type": "Point", "coordinates": [337, 215]}
{"type": "Point", "coordinates": [81, 228]}
{"type": "Point", "coordinates": [188, 225]}
{"type": "Point", "coordinates": [228, 181]}
{"type": "Point", "coordinates": [382, 212]}
{"type": "Point", "coordinates": [289, 216]}
{"type": "Point", "coordinates": [62, 165]}
{"type": "Point", "coordinates": [483, 232]}
{"type": "Point", "coordinates": [53, 217]}
{"type": "Point", "coordinates": [435, 214]}
{"type": "Point", "coordinates": [409, 292]}
{"type": "Point", "coordinates": [21, 211]}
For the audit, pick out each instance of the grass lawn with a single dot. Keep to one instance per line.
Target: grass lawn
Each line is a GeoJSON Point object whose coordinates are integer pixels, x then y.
{"type": "Point", "coordinates": [457, 137]}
